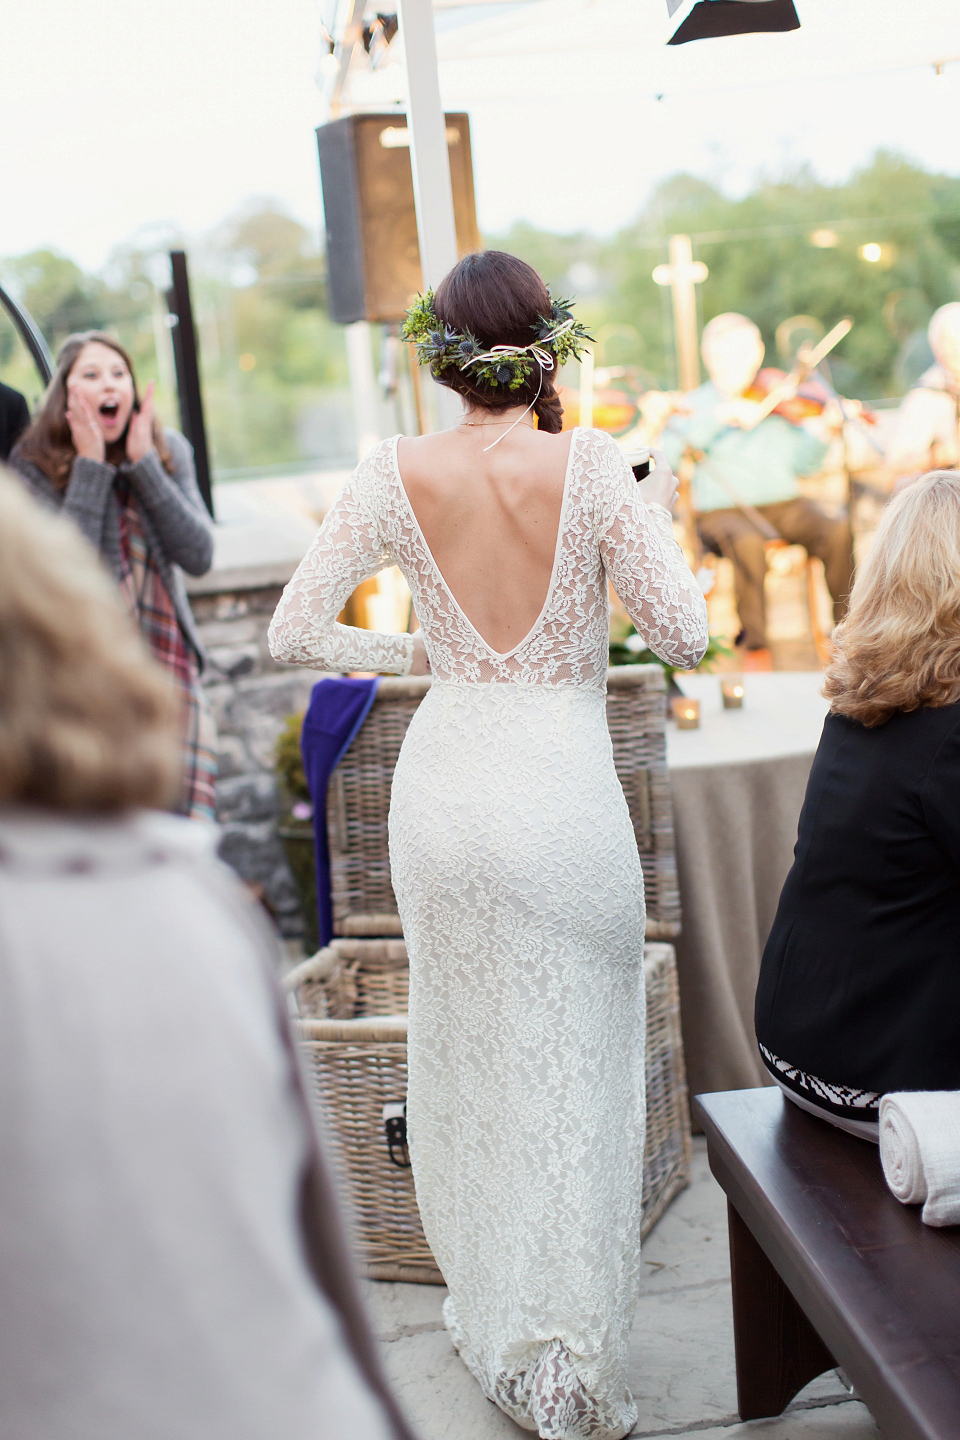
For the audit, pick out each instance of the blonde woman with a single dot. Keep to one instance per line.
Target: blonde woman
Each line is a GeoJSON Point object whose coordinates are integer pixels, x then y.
{"type": "Point", "coordinates": [859, 989]}
{"type": "Point", "coordinates": [170, 1259]}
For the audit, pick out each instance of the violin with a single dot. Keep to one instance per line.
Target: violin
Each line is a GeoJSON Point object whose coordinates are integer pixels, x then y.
{"type": "Point", "coordinates": [802, 393]}
{"type": "Point", "coordinates": [809, 398]}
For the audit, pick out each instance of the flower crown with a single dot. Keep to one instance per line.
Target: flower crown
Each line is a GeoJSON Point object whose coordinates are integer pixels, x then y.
{"type": "Point", "coordinates": [557, 338]}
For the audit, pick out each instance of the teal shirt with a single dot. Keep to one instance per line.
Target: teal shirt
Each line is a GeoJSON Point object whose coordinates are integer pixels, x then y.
{"type": "Point", "coordinates": [762, 465]}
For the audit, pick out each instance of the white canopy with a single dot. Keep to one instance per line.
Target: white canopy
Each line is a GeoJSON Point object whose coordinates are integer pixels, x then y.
{"type": "Point", "coordinates": [578, 106]}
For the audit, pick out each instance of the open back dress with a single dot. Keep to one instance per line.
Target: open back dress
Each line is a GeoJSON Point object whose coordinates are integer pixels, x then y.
{"type": "Point", "coordinates": [521, 896]}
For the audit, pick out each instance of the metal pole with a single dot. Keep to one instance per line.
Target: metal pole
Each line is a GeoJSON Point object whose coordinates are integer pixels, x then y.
{"type": "Point", "coordinates": [430, 161]}
{"type": "Point", "coordinates": [363, 386]}
{"type": "Point", "coordinates": [30, 335]}
{"type": "Point", "coordinates": [163, 343]}
{"type": "Point", "coordinates": [344, 53]}
{"type": "Point", "coordinates": [586, 388]}
{"type": "Point", "coordinates": [186, 361]}
{"type": "Point", "coordinates": [685, 311]}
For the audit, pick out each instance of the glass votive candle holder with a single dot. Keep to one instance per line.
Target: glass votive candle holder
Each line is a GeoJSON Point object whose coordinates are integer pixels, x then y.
{"type": "Point", "coordinates": [686, 712]}
{"type": "Point", "coordinates": [731, 689]}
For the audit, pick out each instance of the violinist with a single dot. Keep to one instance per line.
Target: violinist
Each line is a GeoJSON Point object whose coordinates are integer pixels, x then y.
{"type": "Point", "coordinates": [745, 476]}
{"type": "Point", "coordinates": [926, 435]}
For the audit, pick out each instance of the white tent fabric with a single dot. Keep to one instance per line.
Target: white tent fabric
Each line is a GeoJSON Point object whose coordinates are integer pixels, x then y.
{"type": "Point", "coordinates": [620, 43]}
{"type": "Point", "coordinates": [587, 92]}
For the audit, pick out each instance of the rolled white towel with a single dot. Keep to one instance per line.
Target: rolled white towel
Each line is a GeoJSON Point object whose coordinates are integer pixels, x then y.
{"type": "Point", "coordinates": [920, 1151]}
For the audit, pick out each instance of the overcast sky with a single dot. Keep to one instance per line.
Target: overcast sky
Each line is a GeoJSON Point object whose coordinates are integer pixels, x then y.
{"type": "Point", "coordinates": [131, 113]}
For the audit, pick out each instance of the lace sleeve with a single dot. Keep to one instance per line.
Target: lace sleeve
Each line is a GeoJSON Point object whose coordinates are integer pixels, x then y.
{"type": "Point", "coordinates": [646, 567]}
{"type": "Point", "coordinates": [349, 547]}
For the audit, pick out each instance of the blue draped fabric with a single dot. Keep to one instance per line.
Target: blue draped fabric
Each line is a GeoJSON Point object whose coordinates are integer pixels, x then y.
{"type": "Point", "coordinates": [338, 707]}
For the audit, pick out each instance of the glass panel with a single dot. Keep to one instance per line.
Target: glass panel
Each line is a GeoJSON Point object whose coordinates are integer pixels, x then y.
{"type": "Point", "coordinates": [17, 366]}
{"type": "Point", "coordinates": [273, 365]}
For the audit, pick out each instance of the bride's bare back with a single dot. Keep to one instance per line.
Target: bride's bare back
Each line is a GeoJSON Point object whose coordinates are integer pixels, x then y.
{"type": "Point", "coordinates": [491, 521]}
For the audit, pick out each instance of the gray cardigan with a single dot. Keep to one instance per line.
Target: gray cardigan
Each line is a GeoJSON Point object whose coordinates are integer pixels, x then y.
{"type": "Point", "coordinates": [175, 520]}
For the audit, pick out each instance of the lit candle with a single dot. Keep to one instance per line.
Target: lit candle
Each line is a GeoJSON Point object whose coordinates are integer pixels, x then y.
{"type": "Point", "coordinates": [686, 713]}
{"type": "Point", "coordinates": [731, 688]}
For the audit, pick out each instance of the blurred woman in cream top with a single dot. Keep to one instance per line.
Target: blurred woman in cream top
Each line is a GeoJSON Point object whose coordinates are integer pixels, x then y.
{"type": "Point", "coordinates": [926, 433]}
{"type": "Point", "coordinates": [171, 1263]}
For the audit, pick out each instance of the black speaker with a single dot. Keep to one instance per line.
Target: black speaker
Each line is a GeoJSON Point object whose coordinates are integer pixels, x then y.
{"type": "Point", "coordinates": [373, 255]}
{"type": "Point", "coordinates": [711, 18]}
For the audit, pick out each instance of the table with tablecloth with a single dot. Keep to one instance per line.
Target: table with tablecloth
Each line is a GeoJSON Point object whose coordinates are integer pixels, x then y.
{"type": "Point", "coordinates": [738, 785]}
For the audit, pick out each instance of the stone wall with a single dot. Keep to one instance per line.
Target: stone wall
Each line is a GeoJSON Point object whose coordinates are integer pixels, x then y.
{"type": "Point", "coordinates": [251, 697]}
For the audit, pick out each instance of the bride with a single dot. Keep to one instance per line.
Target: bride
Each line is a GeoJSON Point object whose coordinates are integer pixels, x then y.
{"type": "Point", "coordinates": [513, 857]}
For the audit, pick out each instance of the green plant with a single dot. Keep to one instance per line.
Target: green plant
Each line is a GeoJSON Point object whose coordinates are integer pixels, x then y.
{"type": "Point", "coordinates": [288, 766]}
{"type": "Point", "coordinates": [295, 827]}
{"type": "Point", "coordinates": [558, 336]}
{"type": "Point", "coordinates": [627, 648]}
{"type": "Point", "coordinates": [762, 261]}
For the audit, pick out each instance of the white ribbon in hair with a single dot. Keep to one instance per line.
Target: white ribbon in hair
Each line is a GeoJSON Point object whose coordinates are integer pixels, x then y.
{"type": "Point", "coordinates": [544, 359]}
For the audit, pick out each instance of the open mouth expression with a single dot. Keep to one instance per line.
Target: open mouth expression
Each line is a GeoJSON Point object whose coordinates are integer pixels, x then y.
{"type": "Point", "coordinates": [109, 413]}
{"type": "Point", "coordinates": [100, 375]}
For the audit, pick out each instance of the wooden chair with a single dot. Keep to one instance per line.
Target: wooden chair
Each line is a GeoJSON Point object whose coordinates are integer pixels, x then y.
{"type": "Point", "coordinates": [829, 1269]}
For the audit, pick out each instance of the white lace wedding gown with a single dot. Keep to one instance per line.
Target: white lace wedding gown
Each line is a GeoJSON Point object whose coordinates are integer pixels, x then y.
{"type": "Point", "coordinates": [521, 896]}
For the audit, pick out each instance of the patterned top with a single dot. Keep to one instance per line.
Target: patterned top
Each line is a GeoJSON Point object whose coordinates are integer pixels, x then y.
{"type": "Point", "coordinates": [606, 532]}
{"type": "Point", "coordinates": [144, 593]}
{"type": "Point", "coordinates": [152, 608]}
{"type": "Point", "coordinates": [836, 1097]}
{"type": "Point", "coordinates": [177, 528]}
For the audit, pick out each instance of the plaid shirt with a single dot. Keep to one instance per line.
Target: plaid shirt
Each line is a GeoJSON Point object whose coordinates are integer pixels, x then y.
{"type": "Point", "coordinates": [150, 603]}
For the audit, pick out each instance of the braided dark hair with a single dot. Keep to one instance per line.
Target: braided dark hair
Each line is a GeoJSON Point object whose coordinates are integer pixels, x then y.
{"type": "Point", "coordinates": [499, 299]}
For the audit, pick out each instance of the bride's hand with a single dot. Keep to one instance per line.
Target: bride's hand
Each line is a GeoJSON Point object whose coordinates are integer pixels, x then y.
{"type": "Point", "coordinates": [421, 664]}
{"type": "Point", "coordinates": [660, 486]}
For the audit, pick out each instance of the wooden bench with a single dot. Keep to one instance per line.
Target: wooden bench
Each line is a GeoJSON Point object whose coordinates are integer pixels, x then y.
{"type": "Point", "coordinates": [829, 1269]}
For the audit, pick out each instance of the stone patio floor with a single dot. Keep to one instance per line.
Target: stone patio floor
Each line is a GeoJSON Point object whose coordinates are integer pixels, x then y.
{"type": "Point", "coordinates": [681, 1361]}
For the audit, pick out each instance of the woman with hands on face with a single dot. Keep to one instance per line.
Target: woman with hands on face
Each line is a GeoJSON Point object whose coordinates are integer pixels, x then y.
{"type": "Point", "coordinates": [100, 409]}
{"type": "Point", "coordinates": [97, 452]}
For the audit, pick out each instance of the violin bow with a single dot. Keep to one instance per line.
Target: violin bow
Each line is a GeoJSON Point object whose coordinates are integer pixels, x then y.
{"type": "Point", "coordinates": [855, 419]}
{"type": "Point", "coordinates": [807, 362]}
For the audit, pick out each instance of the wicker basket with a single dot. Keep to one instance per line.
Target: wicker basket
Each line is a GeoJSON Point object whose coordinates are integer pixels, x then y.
{"type": "Point", "coordinates": [669, 1149]}
{"type": "Point", "coordinates": [637, 724]}
{"type": "Point", "coordinates": [357, 1067]}
{"type": "Point", "coordinates": [350, 979]}
{"type": "Point", "coordinates": [359, 796]}
{"type": "Point", "coordinates": [354, 1069]}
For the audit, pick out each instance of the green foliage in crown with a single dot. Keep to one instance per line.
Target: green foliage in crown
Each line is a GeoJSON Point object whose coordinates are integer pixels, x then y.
{"type": "Point", "coordinates": [442, 348]}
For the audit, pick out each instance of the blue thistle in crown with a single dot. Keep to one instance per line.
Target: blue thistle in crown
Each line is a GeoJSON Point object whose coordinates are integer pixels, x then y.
{"type": "Point", "coordinates": [558, 337]}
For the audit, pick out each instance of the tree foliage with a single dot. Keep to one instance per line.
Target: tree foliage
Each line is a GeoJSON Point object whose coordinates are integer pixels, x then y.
{"type": "Point", "coordinates": [273, 364]}
{"type": "Point", "coordinates": [762, 262]}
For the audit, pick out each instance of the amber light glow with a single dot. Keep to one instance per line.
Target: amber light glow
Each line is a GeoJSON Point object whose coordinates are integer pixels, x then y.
{"type": "Point", "coordinates": [731, 690]}
{"type": "Point", "coordinates": [686, 713]}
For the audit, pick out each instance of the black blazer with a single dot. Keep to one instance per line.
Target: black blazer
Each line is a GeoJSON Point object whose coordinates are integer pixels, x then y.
{"type": "Point", "coordinates": [860, 979]}
{"type": "Point", "coordinates": [14, 419]}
